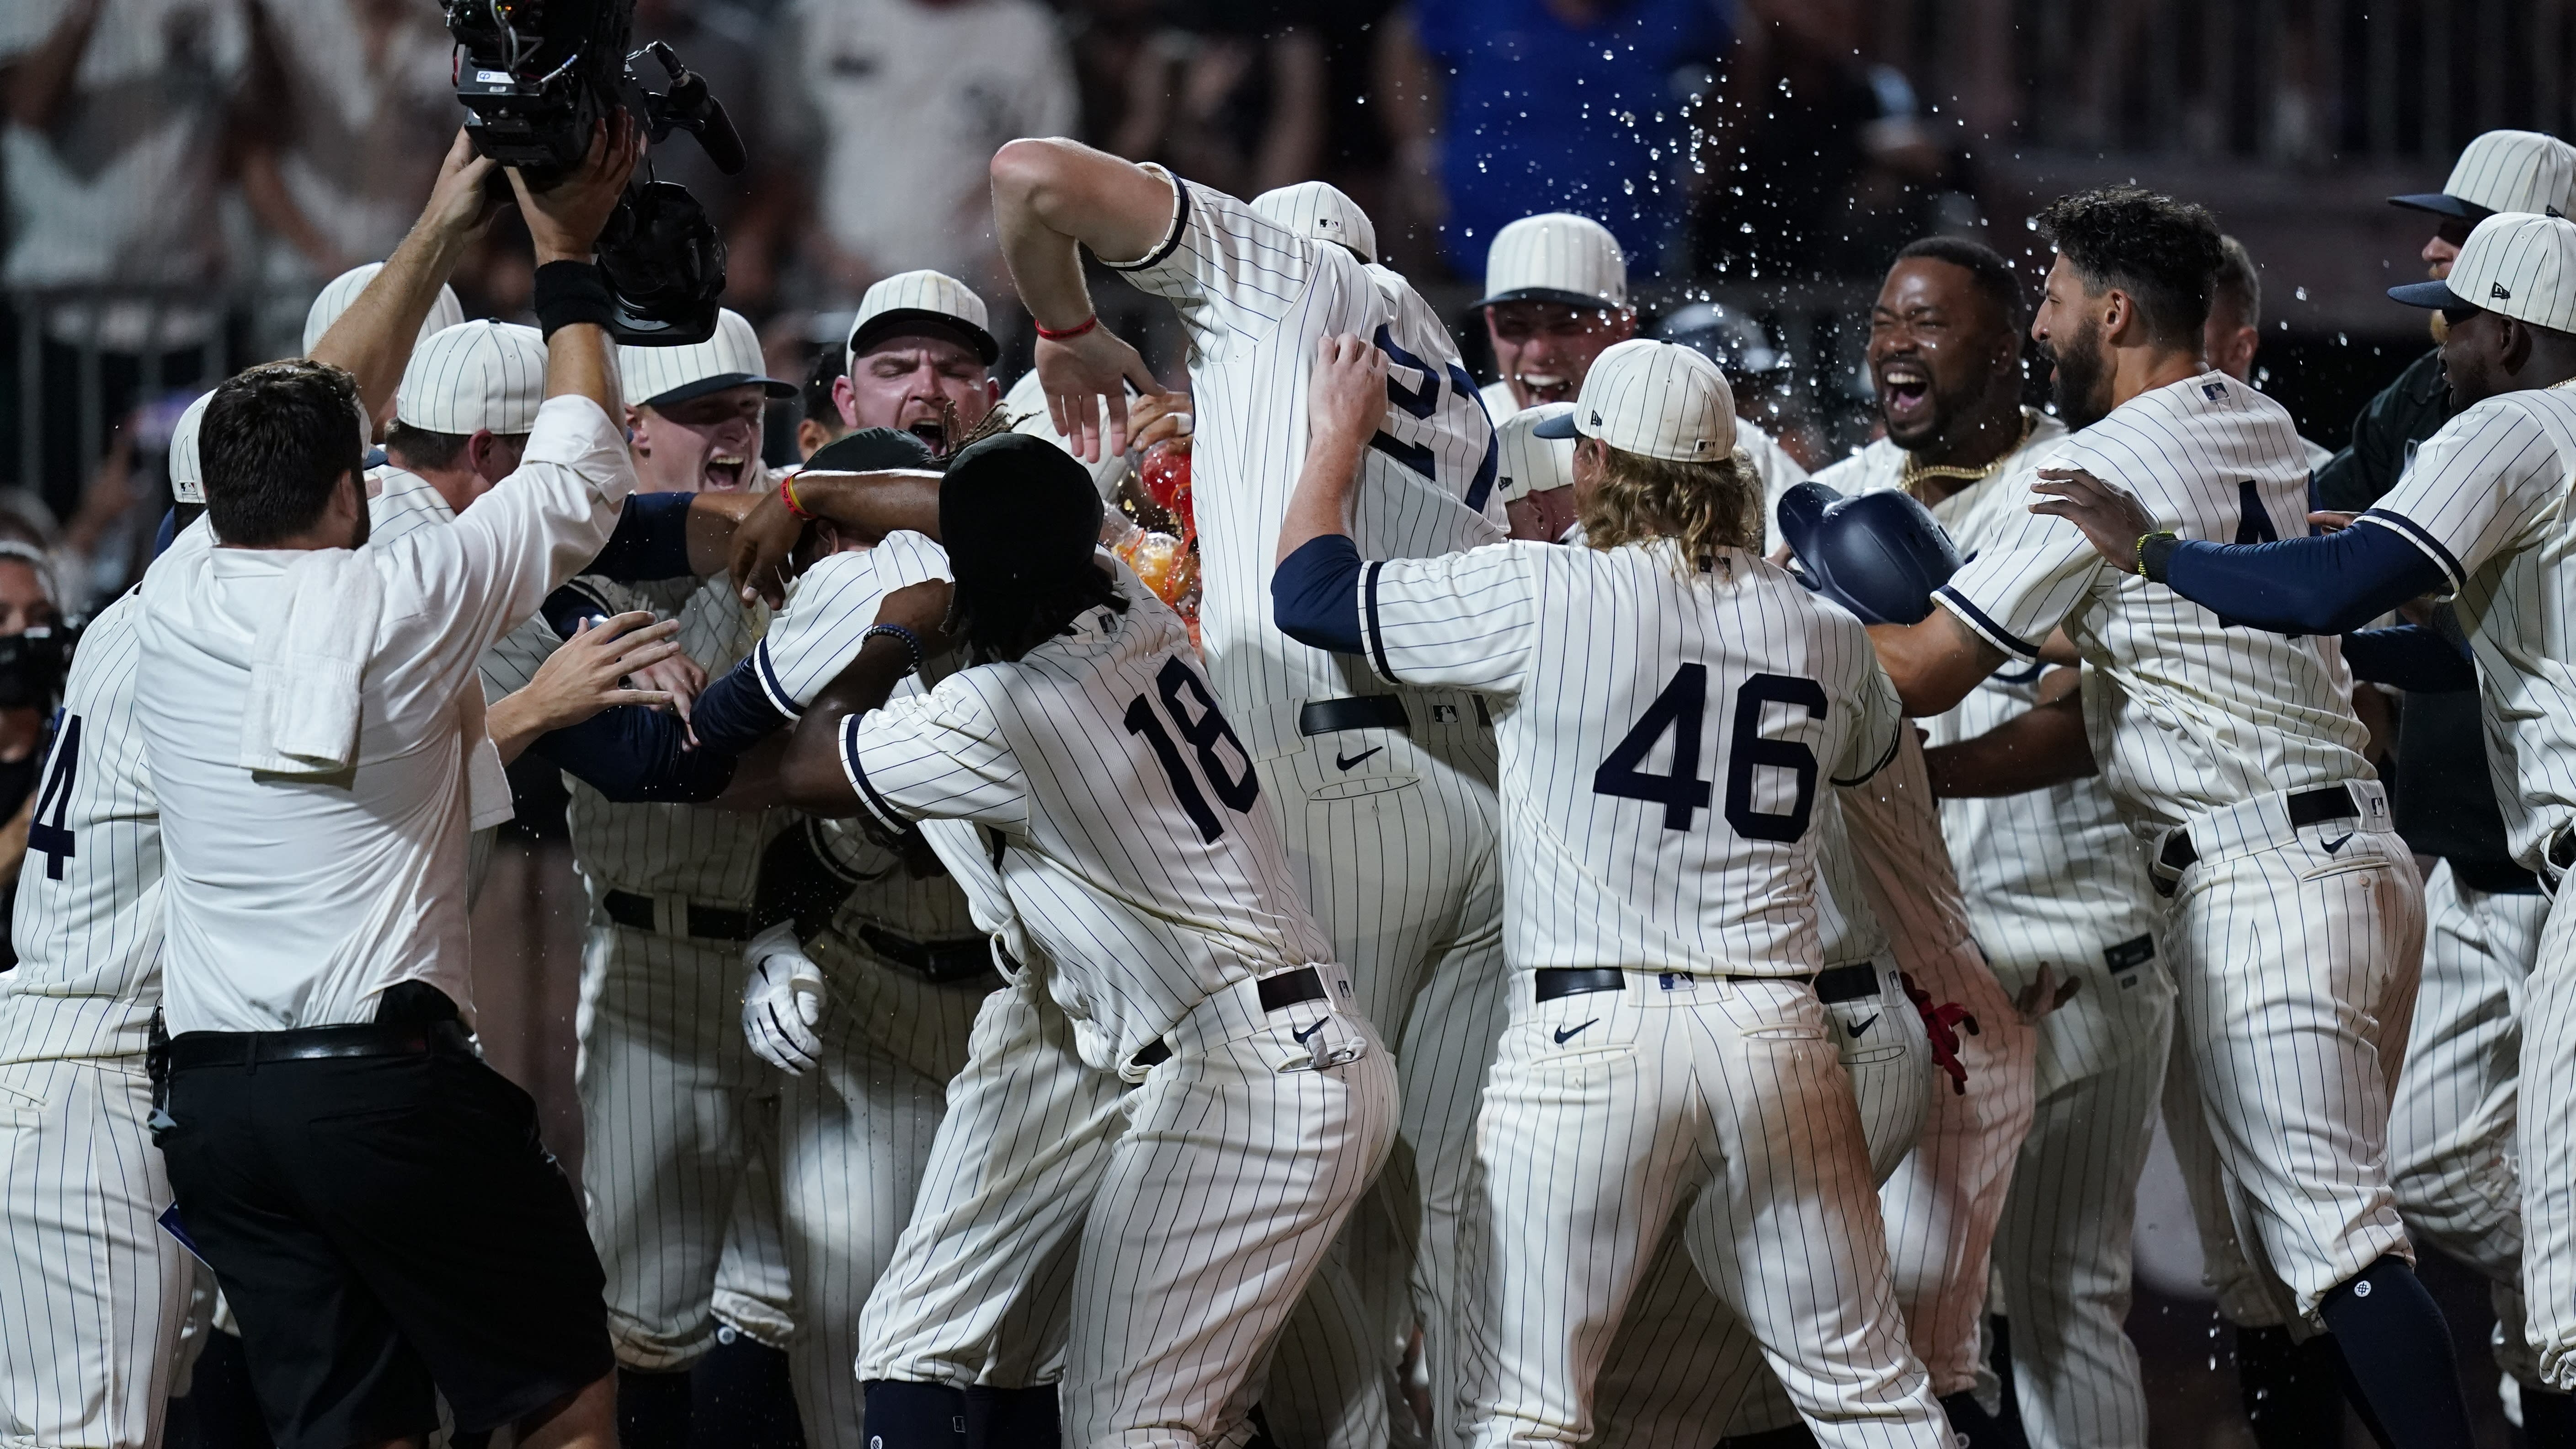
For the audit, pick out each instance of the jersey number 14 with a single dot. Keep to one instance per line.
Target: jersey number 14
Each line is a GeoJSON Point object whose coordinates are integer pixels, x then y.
{"type": "Point", "coordinates": [1678, 712]}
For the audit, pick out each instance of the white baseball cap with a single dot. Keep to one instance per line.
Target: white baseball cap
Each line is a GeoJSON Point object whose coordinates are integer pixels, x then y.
{"type": "Point", "coordinates": [336, 295]}
{"type": "Point", "coordinates": [187, 475]}
{"type": "Point", "coordinates": [1655, 399]}
{"type": "Point", "coordinates": [1530, 463]}
{"type": "Point", "coordinates": [662, 376]}
{"type": "Point", "coordinates": [472, 376]}
{"type": "Point", "coordinates": [1557, 257]}
{"type": "Point", "coordinates": [918, 303]}
{"type": "Point", "coordinates": [1320, 210]}
{"type": "Point", "coordinates": [2517, 264]}
{"type": "Point", "coordinates": [2505, 171]}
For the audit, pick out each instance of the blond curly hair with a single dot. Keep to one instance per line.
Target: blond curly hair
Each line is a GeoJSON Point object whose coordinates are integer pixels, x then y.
{"type": "Point", "coordinates": [1699, 507]}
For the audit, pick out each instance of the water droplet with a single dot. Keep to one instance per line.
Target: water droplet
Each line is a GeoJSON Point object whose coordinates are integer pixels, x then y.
{"type": "Point", "coordinates": [2300, 293]}
{"type": "Point", "coordinates": [2342, 340]}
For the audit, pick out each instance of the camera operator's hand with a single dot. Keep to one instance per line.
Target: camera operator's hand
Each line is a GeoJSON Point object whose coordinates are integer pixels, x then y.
{"type": "Point", "coordinates": [461, 203]}
{"type": "Point", "coordinates": [373, 338]}
{"type": "Point", "coordinates": [565, 219]}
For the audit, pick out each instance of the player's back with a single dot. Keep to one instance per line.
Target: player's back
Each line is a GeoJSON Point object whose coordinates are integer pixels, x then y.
{"type": "Point", "coordinates": [1255, 298]}
{"type": "Point", "coordinates": [88, 921]}
{"type": "Point", "coordinates": [1664, 736]}
{"type": "Point", "coordinates": [2193, 714]}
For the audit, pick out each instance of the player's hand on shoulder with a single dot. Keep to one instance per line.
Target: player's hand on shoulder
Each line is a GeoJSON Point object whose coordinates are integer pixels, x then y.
{"type": "Point", "coordinates": [2112, 519]}
{"type": "Point", "coordinates": [592, 671]}
{"type": "Point", "coordinates": [678, 679]}
{"type": "Point", "coordinates": [782, 1001]}
{"type": "Point", "coordinates": [923, 609]}
{"type": "Point", "coordinates": [1346, 396]}
{"type": "Point", "coordinates": [764, 551]}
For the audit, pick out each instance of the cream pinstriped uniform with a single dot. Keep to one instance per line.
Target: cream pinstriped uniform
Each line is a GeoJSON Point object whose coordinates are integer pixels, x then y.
{"type": "Point", "coordinates": [679, 1118]}
{"type": "Point", "coordinates": [2053, 880]}
{"type": "Point", "coordinates": [1390, 831]}
{"type": "Point", "coordinates": [2487, 500]}
{"type": "Point", "coordinates": [1122, 813]}
{"type": "Point", "coordinates": [856, 1131]}
{"type": "Point", "coordinates": [2294, 947]}
{"type": "Point", "coordinates": [1637, 844]}
{"type": "Point", "coordinates": [93, 1293]}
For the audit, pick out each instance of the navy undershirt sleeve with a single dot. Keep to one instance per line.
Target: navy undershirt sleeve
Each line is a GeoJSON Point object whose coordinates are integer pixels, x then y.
{"type": "Point", "coordinates": [1315, 594]}
{"type": "Point", "coordinates": [2409, 657]}
{"type": "Point", "coordinates": [2329, 585]}
{"type": "Point", "coordinates": [636, 755]}
{"type": "Point", "coordinates": [651, 540]}
{"type": "Point", "coordinates": [735, 713]}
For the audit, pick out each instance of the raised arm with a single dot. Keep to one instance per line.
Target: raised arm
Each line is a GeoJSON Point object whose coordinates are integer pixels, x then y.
{"type": "Point", "coordinates": [374, 338]}
{"type": "Point", "coordinates": [866, 506]}
{"type": "Point", "coordinates": [1050, 199]}
{"type": "Point", "coordinates": [1314, 591]}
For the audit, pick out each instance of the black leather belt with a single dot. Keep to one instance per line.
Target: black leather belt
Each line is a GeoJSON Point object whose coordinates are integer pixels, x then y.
{"type": "Point", "coordinates": [1842, 983]}
{"type": "Point", "coordinates": [2308, 807]}
{"type": "Point", "coordinates": [249, 1048]}
{"type": "Point", "coordinates": [710, 923]}
{"type": "Point", "coordinates": [1286, 989]}
{"type": "Point", "coordinates": [1358, 712]}
{"type": "Point", "coordinates": [937, 962]}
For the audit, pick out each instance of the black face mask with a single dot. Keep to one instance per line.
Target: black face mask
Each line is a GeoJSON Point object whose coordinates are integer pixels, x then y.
{"type": "Point", "coordinates": [2080, 383]}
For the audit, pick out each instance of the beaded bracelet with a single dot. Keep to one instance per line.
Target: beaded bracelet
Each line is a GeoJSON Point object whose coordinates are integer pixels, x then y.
{"type": "Point", "coordinates": [910, 640]}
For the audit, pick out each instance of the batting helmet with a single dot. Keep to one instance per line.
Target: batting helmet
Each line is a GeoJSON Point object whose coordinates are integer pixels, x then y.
{"type": "Point", "coordinates": [1879, 555]}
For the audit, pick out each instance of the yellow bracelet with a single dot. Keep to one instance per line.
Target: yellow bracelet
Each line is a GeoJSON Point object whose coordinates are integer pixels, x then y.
{"type": "Point", "coordinates": [2143, 540]}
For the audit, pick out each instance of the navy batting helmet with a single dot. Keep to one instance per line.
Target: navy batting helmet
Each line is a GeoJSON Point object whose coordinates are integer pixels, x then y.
{"type": "Point", "coordinates": [1879, 554]}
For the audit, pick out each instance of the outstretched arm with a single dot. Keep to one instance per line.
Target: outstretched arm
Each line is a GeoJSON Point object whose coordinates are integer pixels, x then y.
{"type": "Point", "coordinates": [1051, 198]}
{"type": "Point", "coordinates": [2043, 746]}
{"type": "Point", "coordinates": [374, 338]}
{"type": "Point", "coordinates": [1314, 592]}
{"type": "Point", "coordinates": [865, 506]}
{"type": "Point", "coordinates": [811, 776]}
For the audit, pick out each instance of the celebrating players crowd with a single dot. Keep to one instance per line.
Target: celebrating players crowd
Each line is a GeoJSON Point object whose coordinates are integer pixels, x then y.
{"type": "Point", "coordinates": [1586, 935]}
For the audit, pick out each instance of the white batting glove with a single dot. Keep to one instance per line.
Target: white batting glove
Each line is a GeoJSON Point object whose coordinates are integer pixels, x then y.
{"type": "Point", "coordinates": [782, 999]}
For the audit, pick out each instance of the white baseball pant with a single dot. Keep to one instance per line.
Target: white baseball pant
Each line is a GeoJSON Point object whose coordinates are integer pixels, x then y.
{"type": "Point", "coordinates": [1397, 858]}
{"type": "Point", "coordinates": [2548, 1154]}
{"type": "Point", "coordinates": [2295, 967]}
{"type": "Point", "coordinates": [1610, 1114]}
{"type": "Point", "coordinates": [854, 1135]}
{"type": "Point", "coordinates": [2452, 1158]}
{"type": "Point", "coordinates": [1195, 1207]}
{"type": "Point", "coordinates": [672, 1101]}
{"type": "Point", "coordinates": [1682, 1363]}
{"type": "Point", "coordinates": [93, 1292]}
{"type": "Point", "coordinates": [2242, 1297]}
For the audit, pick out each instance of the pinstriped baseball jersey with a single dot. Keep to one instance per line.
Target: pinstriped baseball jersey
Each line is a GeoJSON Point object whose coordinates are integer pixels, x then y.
{"type": "Point", "coordinates": [405, 503]}
{"type": "Point", "coordinates": [1255, 298]}
{"type": "Point", "coordinates": [1135, 853]}
{"type": "Point", "coordinates": [2052, 864]}
{"type": "Point", "coordinates": [1614, 671]}
{"type": "Point", "coordinates": [88, 923]}
{"type": "Point", "coordinates": [2486, 500]}
{"type": "Point", "coordinates": [2192, 715]}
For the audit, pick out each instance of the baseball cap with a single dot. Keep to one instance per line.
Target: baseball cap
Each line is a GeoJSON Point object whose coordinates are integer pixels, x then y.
{"type": "Point", "coordinates": [187, 475]}
{"type": "Point", "coordinates": [336, 295]}
{"type": "Point", "coordinates": [1655, 399]}
{"type": "Point", "coordinates": [1530, 463]}
{"type": "Point", "coordinates": [871, 450]}
{"type": "Point", "coordinates": [2504, 171]}
{"type": "Point", "coordinates": [662, 376]}
{"type": "Point", "coordinates": [2517, 264]}
{"type": "Point", "coordinates": [1016, 513]}
{"type": "Point", "coordinates": [1556, 257]}
{"type": "Point", "coordinates": [1318, 209]}
{"type": "Point", "coordinates": [474, 375]}
{"type": "Point", "coordinates": [922, 302]}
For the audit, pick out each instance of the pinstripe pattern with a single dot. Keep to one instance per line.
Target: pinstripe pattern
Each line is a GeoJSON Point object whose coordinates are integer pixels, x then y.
{"type": "Point", "coordinates": [1657, 400]}
{"type": "Point", "coordinates": [755, 1291]}
{"type": "Point", "coordinates": [1557, 252]}
{"type": "Point", "coordinates": [2244, 1299]}
{"type": "Point", "coordinates": [404, 504]}
{"type": "Point", "coordinates": [2452, 1159]}
{"type": "Point", "coordinates": [472, 376]}
{"type": "Point", "coordinates": [2548, 1157]}
{"type": "Point", "coordinates": [2515, 171]}
{"type": "Point", "coordinates": [338, 293]}
{"type": "Point", "coordinates": [645, 373]}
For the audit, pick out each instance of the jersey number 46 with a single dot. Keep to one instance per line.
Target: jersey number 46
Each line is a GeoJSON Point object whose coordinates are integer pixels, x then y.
{"type": "Point", "coordinates": [1678, 711]}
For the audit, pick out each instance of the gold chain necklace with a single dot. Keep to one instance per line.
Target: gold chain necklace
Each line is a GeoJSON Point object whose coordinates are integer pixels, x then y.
{"type": "Point", "coordinates": [1917, 470]}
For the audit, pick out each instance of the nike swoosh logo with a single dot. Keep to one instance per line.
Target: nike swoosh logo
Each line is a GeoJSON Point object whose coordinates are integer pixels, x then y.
{"type": "Point", "coordinates": [1342, 763]}
{"type": "Point", "coordinates": [1862, 1026]}
{"type": "Point", "coordinates": [1310, 1031]}
{"type": "Point", "coordinates": [2337, 843]}
{"type": "Point", "coordinates": [1566, 1033]}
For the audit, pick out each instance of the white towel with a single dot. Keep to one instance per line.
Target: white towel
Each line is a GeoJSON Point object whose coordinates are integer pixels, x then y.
{"type": "Point", "coordinates": [301, 717]}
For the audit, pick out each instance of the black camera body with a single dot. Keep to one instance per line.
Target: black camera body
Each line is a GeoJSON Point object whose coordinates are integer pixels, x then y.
{"type": "Point", "coordinates": [536, 77]}
{"type": "Point", "coordinates": [32, 665]}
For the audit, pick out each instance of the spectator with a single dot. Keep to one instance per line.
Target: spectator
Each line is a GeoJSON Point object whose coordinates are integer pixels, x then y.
{"type": "Point", "coordinates": [1232, 98]}
{"type": "Point", "coordinates": [1508, 107]}
{"type": "Point", "coordinates": [27, 696]}
{"type": "Point", "coordinates": [902, 103]}
{"type": "Point", "coordinates": [117, 117]}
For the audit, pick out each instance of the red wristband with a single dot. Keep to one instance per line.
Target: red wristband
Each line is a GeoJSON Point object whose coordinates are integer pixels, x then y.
{"type": "Point", "coordinates": [787, 495]}
{"type": "Point", "coordinates": [1067, 334]}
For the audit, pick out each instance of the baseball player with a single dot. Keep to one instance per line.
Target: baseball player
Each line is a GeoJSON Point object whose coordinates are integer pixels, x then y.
{"type": "Point", "coordinates": [335, 299]}
{"type": "Point", "coordinates": [920, 358]}
{"type": "Point", "coordinates": [1383, 799]}
{"type": "Point", "coordinates": [2294, 922]}
{"type": "Point", "coordinates": [1556, 294]}
{"type": "Point", "coordinates": [2476, 518]}
{"type": "Point", "coordinates": [2060, 901]}
{"type": "Point", "coordinates": [1120, 810]}
{"type": "Point", "coordinates": [1665, 1035]}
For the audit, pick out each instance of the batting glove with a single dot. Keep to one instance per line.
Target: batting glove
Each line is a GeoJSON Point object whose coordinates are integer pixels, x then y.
{"type": "Point", "coordinates": [1942, 1023]}
{"type": "Point", "coordinates": [782, 999]}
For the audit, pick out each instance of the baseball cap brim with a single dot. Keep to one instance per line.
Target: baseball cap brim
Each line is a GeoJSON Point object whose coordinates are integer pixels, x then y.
{"type": "Point", "coordinates": [917, 320]}
{"type": "Point", "coordinates": [2428, 295]}
{"type": "Point", "coordinates": [1549, 294]}
{"type": "Point", "coordinates": [768, 385]}
{"type": "Point", "coordinates": [1560, 426]}
{"type": "Point", "coordinates": [2442, 202]}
